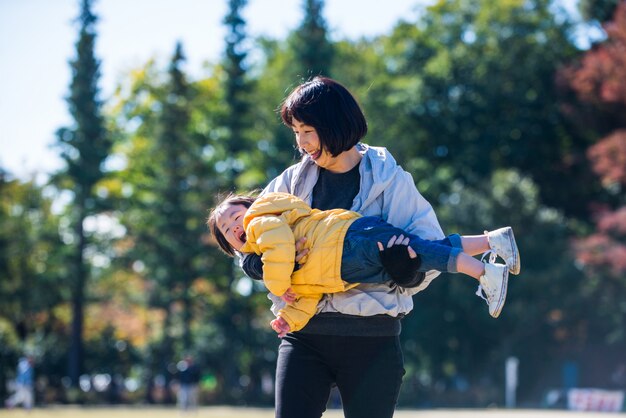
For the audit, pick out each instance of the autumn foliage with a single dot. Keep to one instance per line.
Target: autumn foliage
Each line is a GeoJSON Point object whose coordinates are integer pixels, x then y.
{"type": "Point", "coordinates": [608, 158]}
{"type": "Point", "coordinates": [600, 80]}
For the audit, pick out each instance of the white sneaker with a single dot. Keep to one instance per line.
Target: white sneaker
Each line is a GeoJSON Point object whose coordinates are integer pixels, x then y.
{"type": "Point", "coordinates": [502, 243]}
{"type": "Point", "coordinates": [493, 285]}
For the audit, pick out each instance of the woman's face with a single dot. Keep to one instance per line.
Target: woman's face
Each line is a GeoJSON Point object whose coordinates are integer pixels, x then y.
{"type": "Point", "coordinates": [309, 143]}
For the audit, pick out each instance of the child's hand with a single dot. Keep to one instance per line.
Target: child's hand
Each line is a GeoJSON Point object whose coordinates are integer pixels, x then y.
{"type": "Point", "coordinates": [289, 296]}
{"type": "Point", "coordinates": [301, 253]}
{"type": "Point", "coordinates": [280, 326]}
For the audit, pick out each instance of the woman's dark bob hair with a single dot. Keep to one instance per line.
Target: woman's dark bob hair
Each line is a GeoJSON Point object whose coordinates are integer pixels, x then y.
{"type": "Point", "coordinates": [231, 199]}
{"type": "Point", "coordinates": [331, 109]}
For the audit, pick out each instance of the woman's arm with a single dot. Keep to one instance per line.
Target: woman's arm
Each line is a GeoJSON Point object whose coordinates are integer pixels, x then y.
{"type": "Point", "coordinates": [420, 220]}
{"type": "Point", "coordinates": [252, 264]}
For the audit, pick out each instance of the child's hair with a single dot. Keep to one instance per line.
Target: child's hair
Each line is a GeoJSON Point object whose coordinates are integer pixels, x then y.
{"type": "Point", "coordinates": [331, 109]}
{"type": "Point", "coordinates": [230, 199]}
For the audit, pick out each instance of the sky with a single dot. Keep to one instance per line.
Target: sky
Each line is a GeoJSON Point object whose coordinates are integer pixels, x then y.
{"type": "Point", "coordinates": [37, 42]}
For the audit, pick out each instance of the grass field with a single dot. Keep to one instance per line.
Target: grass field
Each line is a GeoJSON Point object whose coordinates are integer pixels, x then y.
{"type": "Point", "coordinates": [227, 412]}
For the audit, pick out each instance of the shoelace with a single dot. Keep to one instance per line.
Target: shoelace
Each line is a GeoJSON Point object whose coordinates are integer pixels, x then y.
{"type": "Point", "coordinates": [483, 294]}
{"type": "Point", "coordinates": [479, 292]}
{"type": "Point", "coordinates": [492, 259]}
{"type": "Point", "coordinates": [487, 293]}
{"type": "Point", "coordinates": [492, 256]}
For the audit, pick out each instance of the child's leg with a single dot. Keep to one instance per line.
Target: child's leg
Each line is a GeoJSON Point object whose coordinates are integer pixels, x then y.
{"type": "Point", "coordinates": [438, 255]}
{"type": "Point", "coordinates": [493, 278]}
{"type": "Point", "coordinates": [475, 244]}
{"type": "Point", "coordinates": [360, 258]}
{"type": "Point", "coordinates": [467, 264]}
{"type": "Point", "coordinates": [500, 242]}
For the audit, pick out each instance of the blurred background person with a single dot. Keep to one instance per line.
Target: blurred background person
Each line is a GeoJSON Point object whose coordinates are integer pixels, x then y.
{"type": "Point", "coordinates": [188, 376]}
{"type": "Point", "coordinates": [24, 385]}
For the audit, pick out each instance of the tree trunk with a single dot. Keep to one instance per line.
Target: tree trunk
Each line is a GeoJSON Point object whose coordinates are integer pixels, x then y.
{"type": "Point", "coordinates": [75, 360]}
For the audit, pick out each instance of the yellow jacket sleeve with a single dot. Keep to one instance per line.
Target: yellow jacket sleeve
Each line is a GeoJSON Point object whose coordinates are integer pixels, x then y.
{"type": "Point", "coordinates": [300, 312]}
{"type": "Point", "coordinates": [276, 243]}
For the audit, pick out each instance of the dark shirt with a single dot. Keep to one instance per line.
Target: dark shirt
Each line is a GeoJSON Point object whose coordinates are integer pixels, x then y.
{"type": "Point", "coordinates": [336, 190]}
{"type": "Point", "coordinates": [190, 375]}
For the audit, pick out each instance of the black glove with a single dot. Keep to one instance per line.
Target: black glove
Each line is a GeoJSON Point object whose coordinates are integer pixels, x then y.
{"type": "Point", "coordinates": [401, 267]}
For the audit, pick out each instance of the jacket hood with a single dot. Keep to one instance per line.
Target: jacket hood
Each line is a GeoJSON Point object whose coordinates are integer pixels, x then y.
{"type": "Point", "coordinates": [275, 204]}
{"type": "Point", "coordinates": [378, 170]}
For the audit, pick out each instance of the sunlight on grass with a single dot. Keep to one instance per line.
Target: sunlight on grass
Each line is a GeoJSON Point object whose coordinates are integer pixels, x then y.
{"type": "Point", "coordinates": [228, 412]}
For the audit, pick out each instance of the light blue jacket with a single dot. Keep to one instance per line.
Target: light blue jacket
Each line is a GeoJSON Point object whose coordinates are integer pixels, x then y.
{"type": "Point", "coordinates": [24, 372]}
{"type": "Point", "coordinates": [386, 191]}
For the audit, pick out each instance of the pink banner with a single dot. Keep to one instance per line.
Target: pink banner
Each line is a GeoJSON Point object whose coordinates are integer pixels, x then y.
{"type": "Point", "coordinates": [595, 400]}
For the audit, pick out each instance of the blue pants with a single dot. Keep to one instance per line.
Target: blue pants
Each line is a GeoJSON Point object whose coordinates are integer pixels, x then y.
{"type": "Point", "coordinates": [360, 262]}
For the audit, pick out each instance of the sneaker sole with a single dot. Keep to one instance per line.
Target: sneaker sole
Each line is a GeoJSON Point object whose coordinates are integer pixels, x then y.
{"type": "Point", "coordinates": [517, 264]}
{"type": "Point", "coordinates": [502, 297]}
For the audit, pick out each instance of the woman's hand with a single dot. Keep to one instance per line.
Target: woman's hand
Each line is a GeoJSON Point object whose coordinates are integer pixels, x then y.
{"type": "Point", "coordinates": [397, 241]}
{"type": "Point", "coordinates": [280, 326]}
{"type": "Point", "coordinates": [401, 262]}
{"type": "Point", "coordinates": [289, 296]}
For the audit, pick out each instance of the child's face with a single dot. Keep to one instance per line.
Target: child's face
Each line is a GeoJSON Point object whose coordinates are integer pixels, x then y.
{"type": "Point", "coordinates": [229, 221]}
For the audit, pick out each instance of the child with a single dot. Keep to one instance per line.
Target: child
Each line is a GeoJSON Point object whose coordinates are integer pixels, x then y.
{"type": "Point", "coordinates": [345, 249]}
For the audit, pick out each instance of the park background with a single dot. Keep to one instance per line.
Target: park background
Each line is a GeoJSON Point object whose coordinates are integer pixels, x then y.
{"type": "Point", "coordinates": [505, 112]}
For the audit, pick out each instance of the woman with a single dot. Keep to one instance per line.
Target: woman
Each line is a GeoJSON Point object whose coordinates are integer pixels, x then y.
{"type": "Point", "coordinates": [353, 340]}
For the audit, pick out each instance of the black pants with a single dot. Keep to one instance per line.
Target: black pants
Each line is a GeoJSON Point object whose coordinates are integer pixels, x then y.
{"type": "Point", "coordinates": [367, 370]}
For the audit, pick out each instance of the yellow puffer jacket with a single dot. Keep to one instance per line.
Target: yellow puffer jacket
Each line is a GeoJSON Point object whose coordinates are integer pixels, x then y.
{"type": "Point", "coordinates": [273, 224]}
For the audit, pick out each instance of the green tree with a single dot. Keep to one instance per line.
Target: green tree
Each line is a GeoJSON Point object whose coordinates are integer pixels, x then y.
{"type": "Point", "coordinates": [312, 50]}
{"type": "Point", "coordinates": [241, 146]}
{"type": "Point", "coordinates": [240, 162]}
{"type": "Point", "coordinates": [471, 85]}
{"type": "Point", "coordinates": [32, 285]}
{"type": "Point", "coordinates": [84, 147]}
{"type": "Point", "coordinates": [598, 10]}
{"type": "Point", "coordinates": [276, 77]}
{"type": "Point", "coordinates": [228, 336]}
{"type": "Point", "coordinates": [236, 86]}
{"type": "Point", "coordinates": [450, 341]}
{"type": "Point", "coordinates": [160, 198]}
{"type": "Point", "coordinates": [173, 238]}
{"type": "Point", "coordinates": [306, 52]}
